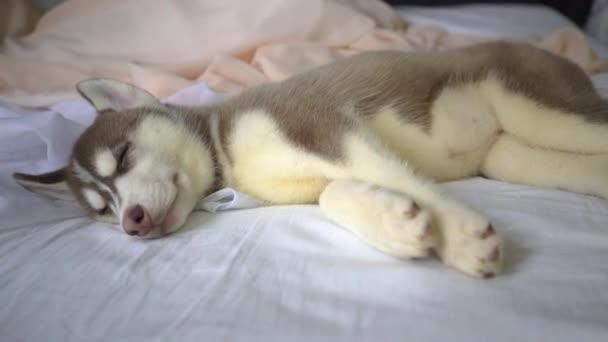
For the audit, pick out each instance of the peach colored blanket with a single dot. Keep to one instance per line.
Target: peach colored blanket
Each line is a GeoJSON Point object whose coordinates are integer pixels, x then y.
{"type": "Point", "coordinates": [164, 46]}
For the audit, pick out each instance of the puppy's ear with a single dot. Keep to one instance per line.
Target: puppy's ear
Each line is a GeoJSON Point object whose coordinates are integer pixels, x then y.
{"type": "Point", "coordinates": [51, 184]}
{"type": "Point", "coordinates": [116, 95]}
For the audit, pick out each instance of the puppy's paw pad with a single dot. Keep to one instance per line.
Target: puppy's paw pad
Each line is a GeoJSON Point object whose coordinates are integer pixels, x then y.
{"type": "Point", "coordinates": [494, 256]}
{"type": "Point", "coordinates": [489, 231]}
{"type": "Point", "coordinates": [476, 251]}
{"type": "Point", "coordinates": [412, 212]}
{"type": "Point", "coordinates": [406, 227]}
{"type": "Point", "coordinates": [486, 275]}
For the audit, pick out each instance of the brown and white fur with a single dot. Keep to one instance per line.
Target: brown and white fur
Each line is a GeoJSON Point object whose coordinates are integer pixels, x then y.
{"type": "Point", "coordinates": [366, 137]}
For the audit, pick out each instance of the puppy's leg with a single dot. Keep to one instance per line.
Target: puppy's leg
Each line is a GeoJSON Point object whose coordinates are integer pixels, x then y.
{"type": "Point", "coordinates": [295, 190]}
{"type": "Point", "coordinates": [389, 221]}
{"type": "Point", "coordinates": [541, 126]}
{"type": "Point", "coordinates": [513, 161]}
{"type": "Point", "coordinates": [465, 239]}
{"type": "Point", "coordinates": [272, 169]}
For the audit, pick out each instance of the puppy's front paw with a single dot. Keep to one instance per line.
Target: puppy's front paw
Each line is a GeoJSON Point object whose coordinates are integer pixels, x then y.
{"type": "Point", "coordinates": [471, 244]}
{"type": "Point", "coordinates": [391, 222]}
{"type": "Point", "coordinates": [407, 227]}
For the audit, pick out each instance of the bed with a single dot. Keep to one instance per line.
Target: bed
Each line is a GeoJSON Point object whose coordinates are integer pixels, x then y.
{"type": "Point", "coordinates": [243, 272]}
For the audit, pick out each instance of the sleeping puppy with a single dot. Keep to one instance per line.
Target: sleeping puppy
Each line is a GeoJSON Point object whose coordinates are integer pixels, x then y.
{"type": "Point", "coordinates": [366, 137]}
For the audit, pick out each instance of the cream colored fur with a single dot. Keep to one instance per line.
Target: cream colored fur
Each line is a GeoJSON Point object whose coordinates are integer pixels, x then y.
{"type": "Point", "coordinates": [105, 163]}
{"type": "Point", "coordinates": [390, 221]}
{"type": "Point", "coordinates": [544, 127]}
{"type": "Point", "coordinates": [510, 159]}
{"type": "Point", "coordinates": [285, 174]}
{"type": "Point", "coordinates": [168, 184]}
{"type": "Point", "coordinates": [94, 198]}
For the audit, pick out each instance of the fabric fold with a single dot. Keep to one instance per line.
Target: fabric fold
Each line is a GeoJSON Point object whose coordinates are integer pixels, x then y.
{"type": "Point", "coordinates": [231, 45]}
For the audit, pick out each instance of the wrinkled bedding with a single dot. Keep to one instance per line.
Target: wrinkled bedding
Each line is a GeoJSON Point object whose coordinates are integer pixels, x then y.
{"type": "Point", "coordinates": [242, 272]}
{"type": "Point", "coordinates": [260, 41]}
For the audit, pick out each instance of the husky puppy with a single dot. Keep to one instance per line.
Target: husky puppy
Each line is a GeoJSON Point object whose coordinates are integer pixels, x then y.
{"type": "Point", "coordinates": [366, 137]}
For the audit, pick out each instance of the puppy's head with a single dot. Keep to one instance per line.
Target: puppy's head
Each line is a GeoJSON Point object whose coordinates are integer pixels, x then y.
{"type": "Point", "coordinates": [138, 166]}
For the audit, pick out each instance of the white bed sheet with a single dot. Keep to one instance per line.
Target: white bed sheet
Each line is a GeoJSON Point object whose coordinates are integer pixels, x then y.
{"type": "Point", "coordinates": [285, 273]}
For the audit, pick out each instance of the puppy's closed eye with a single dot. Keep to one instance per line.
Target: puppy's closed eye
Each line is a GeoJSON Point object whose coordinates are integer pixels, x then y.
{"type": "Point", "coordinates": [104, 211]}
{"type": "Point", "coordinates": [123, 157]}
